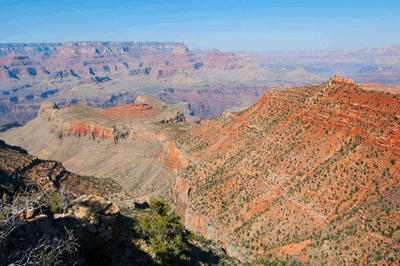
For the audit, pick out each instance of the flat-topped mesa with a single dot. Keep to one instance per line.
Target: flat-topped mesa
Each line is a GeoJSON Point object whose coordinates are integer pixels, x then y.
{"type": "Point", "coordinates": [142, 110]}
{"type": "Point", "coordinates": [64, 126]}
{"type": "Point", "coordinates": [342, 81]}
{"type": "Point", "coordinates": [128, 111]}
{"type": "Point", "coordinates": [112, 123]}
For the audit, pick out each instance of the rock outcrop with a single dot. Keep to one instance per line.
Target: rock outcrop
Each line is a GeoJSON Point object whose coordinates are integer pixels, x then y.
{"type": "Point", "coordinates": [342, 81]}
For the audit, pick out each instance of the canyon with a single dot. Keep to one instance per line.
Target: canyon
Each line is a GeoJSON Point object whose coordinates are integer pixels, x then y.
{"type": "Point", "coordinates": [105, 74]}
{"type": "Point", "coordinates": [307, 174]}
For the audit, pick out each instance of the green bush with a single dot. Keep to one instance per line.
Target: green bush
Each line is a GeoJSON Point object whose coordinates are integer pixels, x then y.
{"type": "Point", "coordinates": [55, 205]}
{"type": "Point", "coordinates": [167, 237]}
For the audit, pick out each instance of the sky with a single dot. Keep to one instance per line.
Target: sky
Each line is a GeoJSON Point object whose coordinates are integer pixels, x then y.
{"type": "Point", "coordinates": [227, 25]}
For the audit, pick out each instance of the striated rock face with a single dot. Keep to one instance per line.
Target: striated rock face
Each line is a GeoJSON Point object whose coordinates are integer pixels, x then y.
{"type": "Point", "coordinates": [305, 172]}
{"type": "Point", "coordinates": [342, 81]}
{"type": "Point", "coordinates": [105, 57]}
{"type": "Point", "coordinates": [22, 65]}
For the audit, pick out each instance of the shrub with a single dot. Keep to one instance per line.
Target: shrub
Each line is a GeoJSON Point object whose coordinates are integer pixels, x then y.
{"type": "Point", "coordinates": [55, 205]}
{"type": "Point", "coordinates": [167, 238]}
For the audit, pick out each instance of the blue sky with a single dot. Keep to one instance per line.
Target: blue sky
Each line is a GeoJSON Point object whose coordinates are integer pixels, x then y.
{"type": "Point", "coordinates": [226, 25]}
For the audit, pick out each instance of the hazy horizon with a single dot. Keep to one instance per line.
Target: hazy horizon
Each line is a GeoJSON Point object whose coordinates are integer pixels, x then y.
{"type": "Point", "coordinates": [190, 48]}
{"type": "Point", "coordinates": [226, 25]}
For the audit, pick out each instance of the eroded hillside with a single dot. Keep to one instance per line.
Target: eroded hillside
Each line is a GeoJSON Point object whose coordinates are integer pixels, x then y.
{"type": "Point", "coordinates": [308, 174]}
{"type": "Point", "coordinates": [127, 143]}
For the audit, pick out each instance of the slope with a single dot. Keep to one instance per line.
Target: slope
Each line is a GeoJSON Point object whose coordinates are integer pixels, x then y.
{"type": "Point", "coordinates": [308, 174]}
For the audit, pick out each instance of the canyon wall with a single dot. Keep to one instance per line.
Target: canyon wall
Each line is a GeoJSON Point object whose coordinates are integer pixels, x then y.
{"type": "Point", "coordinates": [308, 174]}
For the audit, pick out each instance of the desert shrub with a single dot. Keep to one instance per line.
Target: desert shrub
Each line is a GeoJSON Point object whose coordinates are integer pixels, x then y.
{"type": "Point", "coordinates": [55, 205]}
{"type": "Point", "coordinates": [167, 238]}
